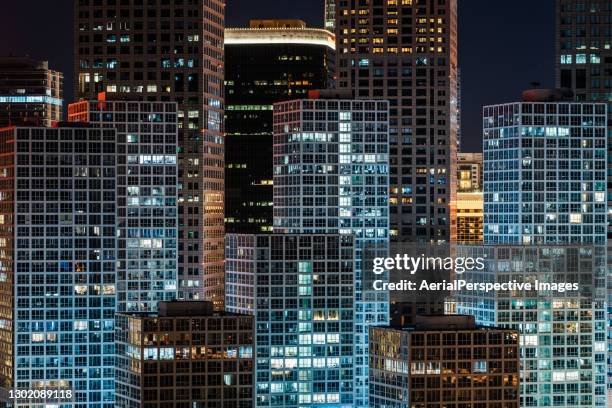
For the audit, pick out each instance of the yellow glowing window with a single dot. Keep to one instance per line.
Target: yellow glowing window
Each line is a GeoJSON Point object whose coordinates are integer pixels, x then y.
{"type": "Point", "coordinates": [392, 21]}
{"type": "Point", "coordinates": [406, 2]}
{"type": "Point", "coordinates": [422, 21]}
{"type": "Point", "coordinates": [363, 12]}
{"type": "Point", "coordinates": [392, 31]}
{"type": "Point", "coordinates": [407, 50]}
{"type": "Point", "coordinates": [392, 50]}
{"type": "Point", "coordinates": [378, 50]}
{"type": "Point", "coordinates": [378, 40]}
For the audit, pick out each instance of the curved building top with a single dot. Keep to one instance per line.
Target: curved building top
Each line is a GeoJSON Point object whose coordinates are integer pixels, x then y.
{"type": "Point", "coordinates": [279, 32]}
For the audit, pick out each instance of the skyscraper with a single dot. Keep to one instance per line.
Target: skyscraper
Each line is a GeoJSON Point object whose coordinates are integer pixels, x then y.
{"type": "Point", "coordinates": [562, 334]}
{"type": "Point", "coordinates": [584, 53]}
{"type": "Point", "coordinates": [58, 256]}
{"type": "Point", "coordinates": [545, 188]}
{"type": "Point", "coordinates": [146, 197]}
{"type": "Point", "coordinates": [31, 94]}
{"type": "Point", "coordinates": [301, 291]}
{"type": "Point", "coordinates": [545, 171]}
{"type": "Point", "coordinates": [330, 15]}
{"type": "Point", "coordinates": [163, 51]}
{"type": "Point", "coordinates": [331, 175]}
{"type": "Point", "coordinates": [406, 51]}
{"type": "Point", "coordinates": [444, 361]}
{"type": "Point", "coordinates": [469, 198]}
{"type": "Point", "coordinates": [271, 61]}
{"type": "Point", "coordinates": [185, 355]}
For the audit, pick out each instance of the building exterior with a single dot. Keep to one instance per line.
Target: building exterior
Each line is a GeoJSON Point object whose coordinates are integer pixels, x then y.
{"type": "Point", "coordinates": [406, 52]}
{"type": "Point", "coordinates": [584, 49]}
{"type": "Point", "coordinates": [444, 361]}
{"type": "Point", "coordinates": [301, 291]}
{"type": "Point", "coordinates": [31, 94]}
{"type": "Point", "coordinates": [469, 172]}
{"type": "Point", "coordinates": [330, 15]}
{"type": "Point", "coordinates": [169, 52]}
{"type": "Point", "coordinates": [186, 355]}
{"type": "Point", "coordinates": [545, 172]}
{"type": "Point", "coordinates": [584, 53]}
{"type": "Point", "coordinates": [331, 175]}
{"type": "Point", "coordinates": [269, 62]}
{"type": "Point", "coordinates": [147, 218]}
{"type": "Point", "coordinates": [58, 272]}
{"type": "Point", "coordinates": [470, 218]}
{"type": "Point", "coordinates": [562, 334]}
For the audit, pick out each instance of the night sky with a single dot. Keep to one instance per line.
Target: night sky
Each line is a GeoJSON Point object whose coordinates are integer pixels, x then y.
{"type": "Point", "coordinates": [503, 46]}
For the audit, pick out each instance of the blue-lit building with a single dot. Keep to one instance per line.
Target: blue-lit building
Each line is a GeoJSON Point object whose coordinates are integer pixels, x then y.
{"type": "Point", "coordinates": [147, 212]}
{"type": "Point", "coordinates": [30, 92]}
{"type": "Point", "coordinates": [331, 176]}
{"type": "Point", "coordinates": [301, 291]}
{"type": "Point", "coordinates": [545, 172]}
{"type": "Point", "coordinates": [58, 253]}
{"type": "Point", "coordinates": [545, 211]}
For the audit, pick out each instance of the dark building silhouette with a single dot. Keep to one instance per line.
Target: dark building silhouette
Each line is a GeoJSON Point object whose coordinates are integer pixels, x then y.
{"type": "Point", "coordinates": [269, 62]}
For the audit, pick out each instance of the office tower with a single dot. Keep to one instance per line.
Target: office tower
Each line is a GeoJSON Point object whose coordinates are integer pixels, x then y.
{"type": "Point", "coordinates": [545, 171]}
{"type": "Point", "coordinates": [330, 15]}
{"type": "Point", "coordinates": [58, 262]}
{"type": "Point", "coordinates": [186, 355]}
{"type": "Point", "coordinates": [584, 53]}
{"type": "Point", "coordinates": [146, 197]}
{"type": "Point", "coordinates": [31, 94]}
{"type": "Point", "coordinates": [469, 198]}
{"type": "Point", "coordinates": [300, 289]}
{"type": "Point", "coordinates": [271, 61]}
{"type": "Point", "coordinates": [406, 52]}
{"type": "Point", "coordinates": [470, 218]}
{"type": "Point", "coordinates": [331, 175]}
{"type": "Point", "coordinates": [169, 51]}
{"type": "Point", "coordinates": [562, 334]}
{"type": "Point", "coordinates": [584, 49]}
{"type": "Point", "coordinates": [469, 172]}
{"type": "Point", "coordinates": [444, 361]}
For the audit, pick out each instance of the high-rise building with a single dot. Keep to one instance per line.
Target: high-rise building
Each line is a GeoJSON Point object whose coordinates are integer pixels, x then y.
{"type": "Point", "coordinates": [330, 15]}
{"type": "Point", "coordinates": [271, 61]}
{"type": "Point", "coordinates": [470, 218]}
{"type": "Point", "coordinates": [406, 52]}
{"type": "Point", "coordinates": [469, 172]}
{"type": "Point", "coordinates": [469, 198]}
{"type": "Point", "coordinates": [584, 53]}
{"type": "Point", "coordinates": [331, 175]}
{"type": "Point", "coordinates": [562, 333]}
{"type": "Point", "coordinates": [545, 171]}
{"type": "Point", "coordinates": [146, 197]}
{"type": "Point", "coordinates": [169, 51]}
{"type": "Point", "coordinates": [301, 291]}
{"type": "Point", "coordinates": [58, 272]}
{"type": "Point", "coordinates": [444, 361]}
{"type": "Point", "coordinates": [584, 49]}
{"type": "Point", "coordinates": [30, 92]}
{"type": "Point", "coordinates": [186, 355]}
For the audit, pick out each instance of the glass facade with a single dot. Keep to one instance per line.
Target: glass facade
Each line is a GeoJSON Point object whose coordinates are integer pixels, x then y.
{"type": "Point", "coordinates": [416, 367]}
{"type": "Point", "coordinates": [562, 335]}
{"type": "Point", "coordinates": [331, 175]}
{"type": "Point", "coordinates": [64, 262]}
{"type": "Point", "coordinates": [191, 357]}
{"type": "Point", "coordinates": [545, 173]}
{"type": "Point", "coordinates": [147, 218]}
{"type": "Point", "coordinates": [272, 61]}
{"type": "Point", "coordinates": [301, 290]}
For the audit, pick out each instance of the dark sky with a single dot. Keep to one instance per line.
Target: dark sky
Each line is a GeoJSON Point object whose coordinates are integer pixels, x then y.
{"type": "Point", "coordinates": [503, 46]}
